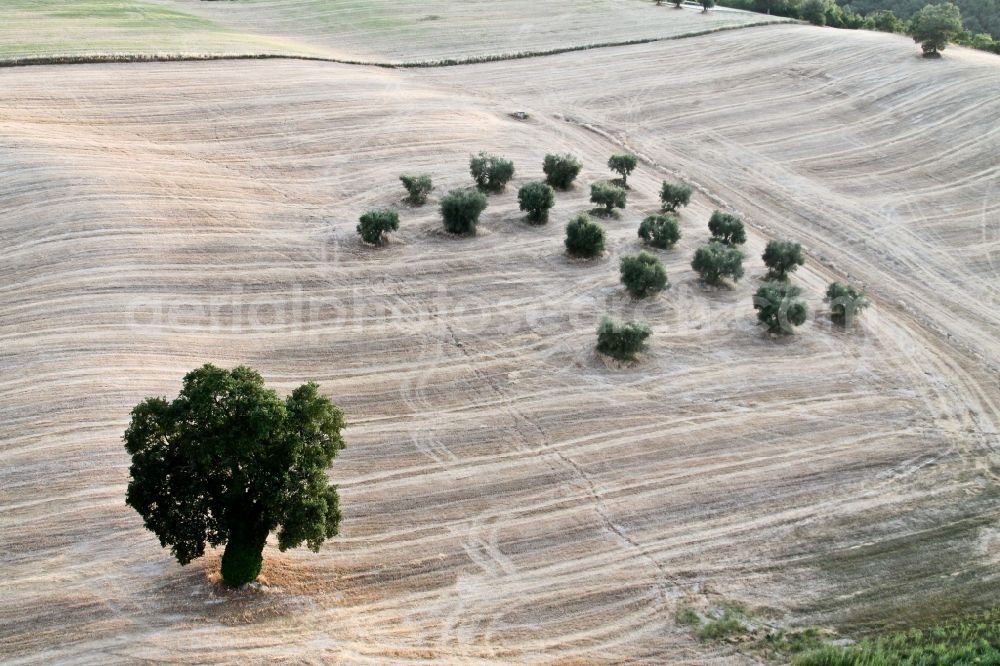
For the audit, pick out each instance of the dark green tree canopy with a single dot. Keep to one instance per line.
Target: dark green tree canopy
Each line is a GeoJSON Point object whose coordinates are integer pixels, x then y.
{"type": "Point", "coordinates": [716, 261]}
{"type": "Point", "coordinates": [491, 172]}
{"type": "Point", "coordinates": [228, 462]}
{"type": "Point", "coordinates": [460, 210]}
{"type": "Point", "coordinates": [584, 237]}
{"type": "Point", "coordinates": [623, 164]}
{"type": "Point", "coordinates": [643, 274]}
{"type": "Point", "coordinates": [727, 228]}
{"type": "Point", "coordinates": [561, 170]}
{"type": "Point", "coordinates": [417, 188]}
{"type": "Point", "coordinates": [606, 194]}
{"type": "Point", "coordinates": [782, 257]}
{"type": "Point", "coordinates": [674, 196]}
{"type": "Point", "coordinates": [934, 26]}
{"type": "Point", "coordinates": [779, 307]}
{"type": "Point", "coordinates": [846, 302]}
{"type": "Point", "coordinates": [622, 340]}
{"type": "Point", "coordinates": [375, 224]}
{"type": "Point", "coordinates": [660, 231]}
{"type": "Point", "coordinates": [536, 199]}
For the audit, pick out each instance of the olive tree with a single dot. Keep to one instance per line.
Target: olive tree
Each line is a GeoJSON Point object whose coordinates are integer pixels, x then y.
{"type": "Point", "coordinates": [536, 199]}
{"type": "Point", "coordinates": [491, 172]}
{"type": "Point", "coordinates": [643, 274]}
{"type": "Point", "coordinates": [608, 195]}
{"type": "Point", "coordinates": [716, 261]}
{"type": "Point", "coordinates": [674, 196]}
{"type": "Point", "coordinates": [621, 340]}
{"type": "Point", "coordinates": [623, 164]}
{"type": "Point", "coordinates": [375, 224]}
{"type": "Point", "coordinates": [228, 462]}
{"type": "Point", "coordinates": [846, 303]}
{"type": "Point", "coordinates": [934, 26]}
{"type": "Point", "coordinates": [727, 228]}
{"type": "Point", "coordinates": [706, 5]}
{"type": "Point", "coordinates": [584, 237]}
{"type": "Point", "coordinates": [779, 307]}
{"type": "Point", "coordinates": [660, 231]}
{"type": "Point", "coordinates": [417, 187]}
{"type": "Point", "coordinates": [460, 210]}
{"type": "Point", "coordinates": [782, 257]}
{"type": "Point", "coordinates": [561, 170]}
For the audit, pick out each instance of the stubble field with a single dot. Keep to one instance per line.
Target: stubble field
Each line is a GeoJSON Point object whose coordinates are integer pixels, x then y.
{"type": "Point", "coordinates": [508, 494]}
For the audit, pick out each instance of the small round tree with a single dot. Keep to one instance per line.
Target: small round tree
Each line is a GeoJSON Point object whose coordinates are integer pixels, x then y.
{"type": "Point", "coordinates": [885, 20]}
{"type": "Point", "coordinates": [375, 224]}
{"type": "Point", "coordinates": [706, 5]}
{"type": "Point", "coordinates": [491, 173]}
{"type": "Point", "coordinates": [584, 237]}
{"type": "Point", "coordinates": [623, 164]}
{"type": "Point", "coordinates": [779, 307]}
{"type": "Point", "coordinates": [607, 195]}
{"type": "Point", "coordinates": [727, 228]}
{"type": "Point", "coordinates": [934, 26]}
{"type": "Point", "coordinates": [846, 303]}
{"type": "Point", "coordinates": [536, 199]}
{"type": "Point", "coordinates": [228, 462]}
{"type": "Point", "coordinates": [675, 195]}
{"type": "Point", "coordinates": [643, 274]}
{"type": "Point", "coordinates": [621, 340]}
{"type": "Point", "coordinates": [815, 11]}
{"type": "Point", "coordinates": [782, 257]}
{"type": "Point", "coordinates": [561, 170]}
{"type": "Point", "coordinates": [460, 210]}
{"type": "Point", "coordinates": [716, 261]}
{"type": "Point", "coordinates": [678, 3]}
{"type": "Point", "coordinates": [417, 187]}
{"type": "Point", "coordinates": [660, 231]}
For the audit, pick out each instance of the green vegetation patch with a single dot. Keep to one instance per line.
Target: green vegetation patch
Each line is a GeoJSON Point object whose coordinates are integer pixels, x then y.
{"type": "Point", "coordinates": [961, 642]}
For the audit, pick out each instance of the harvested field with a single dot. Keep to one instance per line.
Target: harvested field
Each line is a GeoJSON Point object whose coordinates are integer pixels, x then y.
{"type": "Point", "coordinates": [508, 495]}
{"type": "Point", "coordinates": [381, 31]}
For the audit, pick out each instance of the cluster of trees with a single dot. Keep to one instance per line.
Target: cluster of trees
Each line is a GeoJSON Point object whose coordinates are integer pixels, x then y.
{"type": "Point", "coordinates": [974, 23]}
{"type": "Point", "coordinates": [227, 461]}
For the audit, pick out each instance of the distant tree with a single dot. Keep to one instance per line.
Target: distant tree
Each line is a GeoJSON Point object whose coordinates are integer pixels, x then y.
{"type": "Point", "coordinates": [375, 224]}
{"type": "Point", "coordinates": [584, 237]}
{"type": "Point", "coordinates": [779, 307]}
{"type": "Point", "coordinates": [623, 164]}
{"type": "Point", "coordinates": [706, 5]}
{"type": "Point", "coordinates": [610, 196]}
{"type": "Point", "coordinates": [643, 274]}
{"type": "Point", "coordinates": [885, 20]}
{"type": "Point", "coordinates": [934, 26]}
{"type": "Point", "coordinates": [418, 188]}
{"type": "Point", "coordinates": [678, 4]}
{"type": "Point", "coordinates": [674, 196]}
{"type": "Point", "coordinates": [660, 231]}
{"type": "Point", "coordinates": [727, 228]}
{"type": "Point", "coordinates": [716, 261]}
{"type": "Point", "coordinates": [782, 257]}
{"type": "Point", "coordinates": [845, 302]}
{"type": "Point", "coordinates": [536, 199]}
{"type": "Point", "coordinates": [621, 340]}
{"type": "Point", "coordinates": [228, 462]}
{"type": "Point", "coordinates": [491, 173]}
{"type": "Point", "coordinates": [815, 11]}
{"type": "Point", "coordinates": [460, 210]}
{"type": "Point", "coordinates": [561, 170]}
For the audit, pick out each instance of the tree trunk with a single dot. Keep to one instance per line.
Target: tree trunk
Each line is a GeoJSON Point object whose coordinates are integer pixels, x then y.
{"type": "Point", "coordinates": [243, 557]}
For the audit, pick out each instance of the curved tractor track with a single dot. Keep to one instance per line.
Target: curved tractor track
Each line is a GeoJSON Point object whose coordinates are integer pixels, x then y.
{"type": "Point", "coordinates": [508, 495]}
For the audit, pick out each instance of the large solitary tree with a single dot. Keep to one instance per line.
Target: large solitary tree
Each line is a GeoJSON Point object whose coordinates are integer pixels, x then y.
{"type": "Point", "coordinates": [934, 26]}
{"type": "Point", "coordinates": [228, 462]}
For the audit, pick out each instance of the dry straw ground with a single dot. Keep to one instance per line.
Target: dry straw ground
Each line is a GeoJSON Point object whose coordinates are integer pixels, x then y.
{"type": "Point", "coordinates": [508, 495]}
